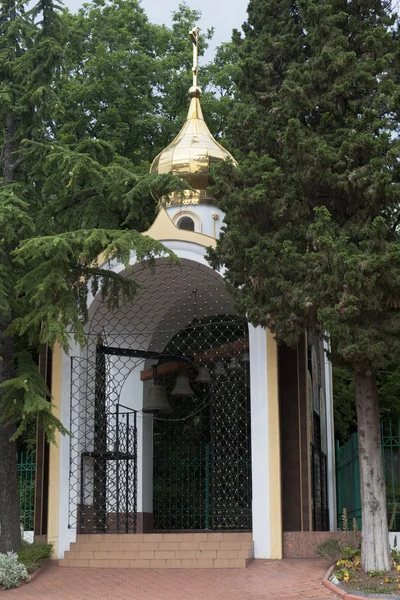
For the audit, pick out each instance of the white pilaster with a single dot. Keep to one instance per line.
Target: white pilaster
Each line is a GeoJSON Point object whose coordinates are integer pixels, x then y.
{"type": "Point", "coordinates": [132, 395]}
{"type": "Point", "coordinates": [260, 442]}
{"type": "Point", "coordinates": [331, 462]}
{"type": "Point", "coordinates": [65, 535]}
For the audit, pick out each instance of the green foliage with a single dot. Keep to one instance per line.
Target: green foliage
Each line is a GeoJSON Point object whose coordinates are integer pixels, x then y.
{"type": "Point", "coordinates": [65, 268]}
{"type": "Point", "coordinates": [388, 383]}
{"type": "Point", "coordinates": [88, 100]}
{"type": "Point", "coordinates": [87, 185]}
{"type": "Point", "coordinates": [344, 404]}
{"type": "Point", "coordinates": [218, 82]}
{"type": "Point", "coordinates": [346, 557]}
{"type": "Point", "coordinates": [330, 548]}
{"type": "Point", "coordinates": [396, 555]}
{"type": "Point", "coordinates": [25, 399]}
{"type": "Point", "coordinates": [34, 555]}
{"type": "Point", "coordinates": [350, 553]}
{"type": "Point", "coordinates": [311, 238]}
{"type": "Point", "coordinates": [378, 589]}
{"type": "Point", "coordinates": [389, 392]}
{"type": "Point", "coordinates": [15, 223]}
{"type": "Point", "coordinates": [345, 520]}
{"type": "Point", "coordinates": [11, 571]}
{"type": "Point", "coordinates": [124, 79]}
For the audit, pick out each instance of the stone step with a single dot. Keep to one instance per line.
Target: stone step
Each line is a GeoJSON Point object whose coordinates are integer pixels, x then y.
{"type": "Point", "coordinates": [156, 554]}
{"type": "Point", "coordinates": [160, 537]}
{"type": "Point", "coordinates": [154, 546]}
{"type": "Point", "coordinates": [156, 551]}
{"type": "Point", "coordinates": [202, 563]}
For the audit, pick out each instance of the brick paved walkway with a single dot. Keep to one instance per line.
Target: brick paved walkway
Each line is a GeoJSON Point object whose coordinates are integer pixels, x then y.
{"type": "Point", "coordinates": [262, 580]}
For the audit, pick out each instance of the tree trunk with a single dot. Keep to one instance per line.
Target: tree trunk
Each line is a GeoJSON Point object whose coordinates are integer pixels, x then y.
{"type": "Point", "coordinates": [375, 550]}
{"type": "Point", "coordinates": [10, 532]}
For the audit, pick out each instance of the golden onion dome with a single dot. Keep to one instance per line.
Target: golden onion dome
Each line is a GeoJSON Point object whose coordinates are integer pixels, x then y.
{"type": "Point", "coordinates": [190, 156]}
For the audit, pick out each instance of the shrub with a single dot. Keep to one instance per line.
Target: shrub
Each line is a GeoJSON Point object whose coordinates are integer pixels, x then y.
{"type": "Point", "coordinates": [11, 571]}
{"type": "Point", "coordinates": [336, 550]}
{"type": "Point", "coordinates": [349, 553]}
{"type": "Point", "coordinates": [330, 548]}
{"type": "Point", "coordinates": [34, 555]}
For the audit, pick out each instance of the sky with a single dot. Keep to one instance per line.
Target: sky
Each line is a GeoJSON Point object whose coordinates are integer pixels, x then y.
{"type": "Point", "coordinates": [223, 15]}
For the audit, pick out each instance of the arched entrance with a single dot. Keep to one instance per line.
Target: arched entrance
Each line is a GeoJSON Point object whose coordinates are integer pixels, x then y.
{"type": "Point", "coordinates": [131, 471]}
{"type": "Point", "coordinates": [202, 455]}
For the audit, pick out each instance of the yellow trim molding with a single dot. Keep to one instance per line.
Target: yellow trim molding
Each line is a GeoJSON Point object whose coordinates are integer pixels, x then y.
{"type": "Point", "coordinates": [163, 228]}
{"type": "Point", "coordinates": [54, 466]}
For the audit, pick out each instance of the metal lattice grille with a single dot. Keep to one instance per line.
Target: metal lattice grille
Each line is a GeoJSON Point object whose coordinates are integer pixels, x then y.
{"type": "Point", "coordinates": [320, 513]}
{"type": "Point", "coordinates": [231, 460]}
{"type": "Point", "coordinates": [26, 485]}
{"type": "Point", "coordinates": [180, 320]}
{"type": "Point", "coordinates": [181, 488]}
{"type": "Point", "coordinates": [202, 464]}
{"type": "Point", "coordinates": [103, 456]}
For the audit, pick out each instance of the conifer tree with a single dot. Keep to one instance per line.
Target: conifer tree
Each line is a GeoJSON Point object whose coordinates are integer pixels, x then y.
{"type": "Point", "coordinates": [48, 264]}
{"type": "Point", "coordinates": [73, 188]}
{"type": "Point", "coordinates": [114, 54]}
{"type": "Point", "coordinates": [15, 29]}
{"type": "Point", "coordinates": [311, 237]}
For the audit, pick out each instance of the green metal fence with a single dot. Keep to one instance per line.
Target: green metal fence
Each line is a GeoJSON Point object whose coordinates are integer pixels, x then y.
{"type": "Point", "coordinates": [181, 488]}
{"type": "Point", "coordinates": [348, 476]}
{"type": "Point", "coordinates": [391, 462]}
{"type": "Point", "coordinates": [187, 491]}
{"type": "Point", "coordinates": [348, 480]}
{"type": "Point", "coordinates": [26, 478]}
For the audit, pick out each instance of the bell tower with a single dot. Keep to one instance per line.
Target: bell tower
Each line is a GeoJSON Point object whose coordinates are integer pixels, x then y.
{"type": "Point", "coordinates": [190, 156]}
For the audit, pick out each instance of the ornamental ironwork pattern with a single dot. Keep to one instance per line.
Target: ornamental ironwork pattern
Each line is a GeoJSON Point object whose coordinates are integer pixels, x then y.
{"type": "Point", "coordinates": [103, 450]}
{"type": "Point", "coordinates": [202, 454]}
{"type": "Point", "coordinates": [180, 320]}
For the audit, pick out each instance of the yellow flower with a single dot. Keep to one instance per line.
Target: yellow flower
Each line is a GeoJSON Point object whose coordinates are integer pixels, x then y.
{"type": "Point", "coordinates": [398, 567]}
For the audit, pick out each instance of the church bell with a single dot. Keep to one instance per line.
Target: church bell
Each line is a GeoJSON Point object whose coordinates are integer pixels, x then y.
{"type": "Point", "coordinates": [203, 375]}
{"type": "Point", "coordinates": [157, 401]}
{"type": "Point", "coordinates": [182, 387]}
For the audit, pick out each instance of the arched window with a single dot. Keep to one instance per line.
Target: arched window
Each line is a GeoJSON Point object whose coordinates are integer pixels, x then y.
{"type": "Point", "coordinates": [186, 223]}
{"type": "Point", "coordinates": [187, 220]}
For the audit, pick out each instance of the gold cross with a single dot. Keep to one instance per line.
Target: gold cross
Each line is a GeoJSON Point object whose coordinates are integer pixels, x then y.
{"type": "Point", "coordinates": [194, 34]}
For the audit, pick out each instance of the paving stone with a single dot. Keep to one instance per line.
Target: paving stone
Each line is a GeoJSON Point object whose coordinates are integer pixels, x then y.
{"type": "Point", "coordinates": [289, 579]}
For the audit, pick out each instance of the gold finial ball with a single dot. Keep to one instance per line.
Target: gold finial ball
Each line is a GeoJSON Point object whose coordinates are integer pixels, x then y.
{"type": "Point", "coordinates": [194, 92]}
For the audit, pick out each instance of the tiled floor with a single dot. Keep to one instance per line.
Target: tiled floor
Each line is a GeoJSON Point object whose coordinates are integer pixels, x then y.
{"type": "Point", "coordinates": [262, 580]}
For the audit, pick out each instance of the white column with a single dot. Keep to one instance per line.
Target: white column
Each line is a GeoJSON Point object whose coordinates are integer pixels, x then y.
{"type": "Point", "coordinates": [260, 442]}
{"type": "Point", "coordinates": [147, 450]}
{"type": "Point", "coordinates": [132, 395]}
{"type": "Point", "coordinates": [331, 463]}
{"type": "Point", "coordinates": [65, 535]}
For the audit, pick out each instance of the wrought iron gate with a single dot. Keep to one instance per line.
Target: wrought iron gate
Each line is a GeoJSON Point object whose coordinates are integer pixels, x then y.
{"type": "Point", "coordinates": [103, 453]}
{"type": "Point", "coordinates": [202, 452]}
{"type": "Point", "coordinates": [320, 513]}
